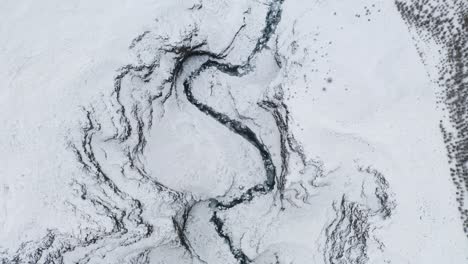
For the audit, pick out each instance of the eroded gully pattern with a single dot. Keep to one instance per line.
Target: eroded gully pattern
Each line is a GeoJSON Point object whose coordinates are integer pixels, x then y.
{"type": "Point", "coordinates": [123, 212]}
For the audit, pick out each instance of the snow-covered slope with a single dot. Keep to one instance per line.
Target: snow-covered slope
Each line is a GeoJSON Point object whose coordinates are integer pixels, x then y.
{"type": "Point", "coordinates": [215, 131]}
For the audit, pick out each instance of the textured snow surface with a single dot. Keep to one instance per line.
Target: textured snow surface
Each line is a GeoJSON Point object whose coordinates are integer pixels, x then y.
{"type": "Point", "coordinates": [248, 131]}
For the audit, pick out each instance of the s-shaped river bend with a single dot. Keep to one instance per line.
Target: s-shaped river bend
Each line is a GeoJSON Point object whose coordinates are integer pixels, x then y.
{"type": "Point", "coordinates": [210, 61]}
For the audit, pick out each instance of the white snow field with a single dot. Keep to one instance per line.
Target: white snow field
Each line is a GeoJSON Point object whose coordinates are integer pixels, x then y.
{"type": "Point", "coordinates": [219, 132]}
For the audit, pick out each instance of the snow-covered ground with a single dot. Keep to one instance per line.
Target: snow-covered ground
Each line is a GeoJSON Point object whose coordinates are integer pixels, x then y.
{"type": "Point", "coordinates": [162, 131]}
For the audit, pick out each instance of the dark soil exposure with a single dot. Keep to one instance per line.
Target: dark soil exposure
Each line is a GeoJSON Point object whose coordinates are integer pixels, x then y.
{"type": "Point", "coordinates": [446, 24]}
